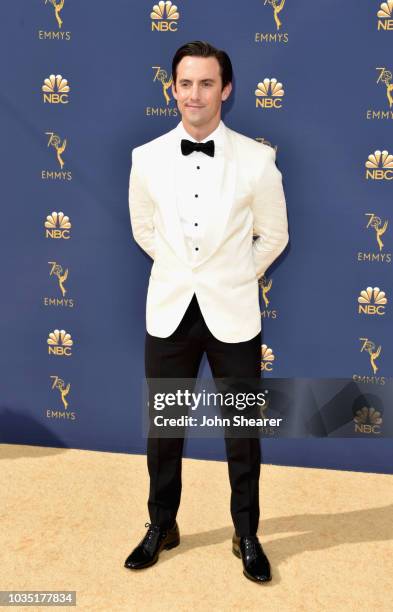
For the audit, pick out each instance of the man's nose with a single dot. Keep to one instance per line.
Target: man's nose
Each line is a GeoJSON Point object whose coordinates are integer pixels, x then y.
{"type": "Point", "coordinates": [195, 92]}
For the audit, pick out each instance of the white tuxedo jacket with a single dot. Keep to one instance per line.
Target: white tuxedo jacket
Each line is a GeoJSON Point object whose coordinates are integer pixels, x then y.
{"type": "Point", "coordinates": [249, 201]}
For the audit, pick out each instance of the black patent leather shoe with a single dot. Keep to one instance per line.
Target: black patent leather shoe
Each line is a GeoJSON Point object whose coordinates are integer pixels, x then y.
{"type": "Point", "coordinates": [256, 565]}
{"type": "Point", "coordinates": [149, 548]}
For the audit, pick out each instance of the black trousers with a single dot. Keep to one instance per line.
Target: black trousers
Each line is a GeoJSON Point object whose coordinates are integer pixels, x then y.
{"type": "Point", "coordinates": [179, 356]}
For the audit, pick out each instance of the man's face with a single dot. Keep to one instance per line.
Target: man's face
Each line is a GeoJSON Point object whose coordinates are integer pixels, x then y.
{"type": "Point", "coordinates": [198, 89]}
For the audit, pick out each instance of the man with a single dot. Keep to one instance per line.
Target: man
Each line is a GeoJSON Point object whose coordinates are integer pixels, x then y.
{"type": "Point", "coordinates": [197, 195]}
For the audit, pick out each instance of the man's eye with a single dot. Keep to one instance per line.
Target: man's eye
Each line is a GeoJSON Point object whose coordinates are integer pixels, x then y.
{"type": "Point", "coordinates": [188, 84]}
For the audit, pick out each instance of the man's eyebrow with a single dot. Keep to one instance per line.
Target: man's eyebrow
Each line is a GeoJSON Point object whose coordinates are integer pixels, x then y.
{"type": "Point", "coordinates": [207, 79]}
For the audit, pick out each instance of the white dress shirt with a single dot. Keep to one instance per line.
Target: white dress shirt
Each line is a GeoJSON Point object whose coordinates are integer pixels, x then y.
{"type": "Point", "coordinates": [196, 173]}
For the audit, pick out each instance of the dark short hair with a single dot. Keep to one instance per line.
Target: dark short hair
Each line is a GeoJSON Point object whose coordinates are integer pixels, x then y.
{"type": "Point", "coordinates": [201, 48]}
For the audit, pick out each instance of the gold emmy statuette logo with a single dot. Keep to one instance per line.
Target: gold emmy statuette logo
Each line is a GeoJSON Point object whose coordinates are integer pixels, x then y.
{"type": "Point", "coordinates": [269, 94]}
{"type": "Point", "coordinates": [379, 166]}
{"type": "Point", "coordinates": [376, 224]}
{"type": "Point", "coordinates": [162, 76]}
{"type": "Point", "coordinates": [57, 225]}
{"type": "Point", "coordinates": [164, 17]}
{"type": "Point", "coordinates": [368, 420]}
{"type": "Point", "coordinates": [59, 384]}
{"type": "Point", "coordinates": [55, 142]}
{"type": "Point", "coordinates": [373, 352]}
{"type": "Point", "coordinates": [58, 7]}
{"type": "Point", "coordinates": [275, 36]}
{"type": "Point", "coordinates": [59, 343]}
{"type": "Point", "coordinates": [167, 110]}
{"type": "Point", "coordinates": [56, 90]}
{"type": "Point", "coordinates": [385, 77]}
{"type": "Point", "coordinates": [385, 16]}
{"type": "Point", "coordinates": [266, 429]}
{"type": "Point", "coordinates": [265, 286]}
{"type": "Point", "coordinates": [59, 147]}
{"type": "Point", "coordinates": [267, 358]}
{"type": "Point", "coordinates": [65, 413]}
{"type": "Point", "coordinates": [57, 270]}
{"type": "Point", "coordinates": [58, 33]}
{"type": "Point", "coordinates": [372, 301]}
{"type": "Point", "coordinates": [277, 6]}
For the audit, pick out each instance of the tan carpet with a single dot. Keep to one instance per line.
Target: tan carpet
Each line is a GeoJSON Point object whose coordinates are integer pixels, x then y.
{"type": "Point", "coordinates": [69, 518]}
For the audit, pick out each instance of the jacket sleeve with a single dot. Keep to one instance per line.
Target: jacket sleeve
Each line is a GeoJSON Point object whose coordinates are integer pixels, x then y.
{"type": "Point", "coordinates": [270, 223]}
{"type": "Point", "coordinates": [141, 208]}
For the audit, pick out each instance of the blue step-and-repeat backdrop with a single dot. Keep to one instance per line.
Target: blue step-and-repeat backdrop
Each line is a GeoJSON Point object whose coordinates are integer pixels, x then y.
{"type": "Point", "coordinates": [82, 83]}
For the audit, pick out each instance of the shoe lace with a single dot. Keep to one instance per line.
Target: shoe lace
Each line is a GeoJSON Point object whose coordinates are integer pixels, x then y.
{"type": "Point", "coordinates": [252, 547]}
{"type": "Point", "coordinates": [151, 538]}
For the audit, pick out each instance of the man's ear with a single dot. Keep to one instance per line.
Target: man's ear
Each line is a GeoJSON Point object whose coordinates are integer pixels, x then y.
{"type": "Point", "coordinates": [174, 91]}
{"type": "Point", "coordinates": [226, 91]}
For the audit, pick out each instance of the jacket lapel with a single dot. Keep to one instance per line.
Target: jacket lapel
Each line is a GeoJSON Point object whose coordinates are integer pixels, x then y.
{"type": "Point", "coordinates": [171, 221]}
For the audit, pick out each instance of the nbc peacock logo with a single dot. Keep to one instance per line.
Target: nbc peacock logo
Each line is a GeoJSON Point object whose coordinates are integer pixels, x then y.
{"type": "Point", "coordinates": [164, 17]}
{"type": "Point", "coordinates": [269, 94]}
{"type": "Point", "coordinates": [56, 90]}
{"type": "Point", "coordinates": [379, 166]}
{"type": "Point", "coordinates": [267, 358]}
{"type": "Point", "coordinates": [368, 420]}
{"type": "Point", "coordinates": [385, 16]}
{"type": "Point", "coordinates": [57, 226]}
{"type": "Point", "coordinates": [59, 343]}
{"type": "Point", "coordinates": [372, 301]}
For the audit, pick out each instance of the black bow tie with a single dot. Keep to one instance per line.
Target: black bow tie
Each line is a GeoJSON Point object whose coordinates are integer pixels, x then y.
{"type": "Point", "coordinates": [187, 147]}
